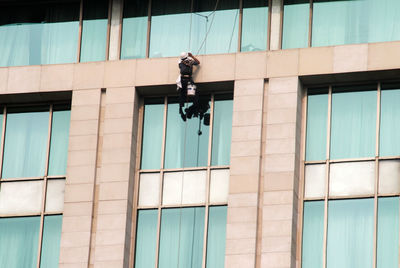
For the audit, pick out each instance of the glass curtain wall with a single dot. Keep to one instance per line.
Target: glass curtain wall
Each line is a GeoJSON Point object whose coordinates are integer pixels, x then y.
{"type": "Point", "coordinates": [351, 171]}
{"type": "Point", "coordinates": [254, 25]}
{"type": "Point", "coordinates": [33, 169]}
{"type": "Point", "coordinates": [94, 30]}
{"type": "Point", "coordinates": [340, 22]}
{"type": "Point", "coordinates": [34, 34]}
{"type": "Point", "coordinates": [174, 200]}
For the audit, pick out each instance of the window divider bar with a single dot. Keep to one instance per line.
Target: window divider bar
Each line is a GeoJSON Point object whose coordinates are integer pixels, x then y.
{"type": "Point", "coordinates": [310, 23]}
{"type": "Point", "coordinates": [269, 24]}
{"type": "Point", "coordinates": [240, 25]}
{"type": "Point", "coordinates": [148, 29]}
{"type": "Point", "coordinates": [44, 194]}
{"type": "Point", "coordinates": [80, 31]}
{"type": "Point", "coordinates": [3, 136]}
{"type": "Point", "coordinates": [302, 175]}
{"type": "Point", "coordinates": [109, 29]}
{"type": "Point", "coordinates": [328, 138]}
{"type": "Point", "coordinates": [281, 24]}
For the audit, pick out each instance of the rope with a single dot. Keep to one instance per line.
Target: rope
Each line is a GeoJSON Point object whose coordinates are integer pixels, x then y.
{"type": "Point", "coordinates": [233, 30]}
{"type": "Point", "coordinates": [212, 21]}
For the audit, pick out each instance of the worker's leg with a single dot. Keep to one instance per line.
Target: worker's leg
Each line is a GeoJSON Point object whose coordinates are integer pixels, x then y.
{"type": "Point", "coordinates": [183, 97]}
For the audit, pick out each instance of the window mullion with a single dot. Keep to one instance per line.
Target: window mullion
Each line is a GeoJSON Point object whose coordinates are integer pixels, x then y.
{"type": "Point", "coordinates": [3, 135]}
{"type": "Point", "coordinates": [80, 31]}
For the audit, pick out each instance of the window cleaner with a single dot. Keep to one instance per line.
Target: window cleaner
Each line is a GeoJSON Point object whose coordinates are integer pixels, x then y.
{"type": "Point", "coordinates": [186, 87]}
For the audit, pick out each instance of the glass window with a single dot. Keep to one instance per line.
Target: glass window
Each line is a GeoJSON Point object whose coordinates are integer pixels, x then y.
{"type": "Point", "coordinates": [254, 25]}
{"type": "Point", "coordinates": [153, 124]}
{"type": "Point", "coordinates": [388, 232]}
{"type": "Point", "coordinates": [181, 237]}
{"type": "Point", "coordinates": [146, 238]}
{"type": "Point", "coordinates": [19, 239]}
{"type": "Point", "coordinates": [184, 146]}
{"type": "Point", "coordinates": [134, 29]}
{"type": "Point", "coordinates": [33, 34]}
{"type": "Point", "coordinates": [353, 21]}
{"type": "Point", "coordinates": [317, 115]}
{"type": "Point", "coordinates": [353, 127]}
{"type": "Point", "coordinates": [296, 15]}
{"type": "Point", "coordinates": [390, 113]}
{"type": "Point", "coordinates": [51, 241]}
{"type": "Point", "coordinates": [313, 234]}
{"type": "Point", "coordinates": [216, 236]}
{"type": "Point", "coordinates": [170, 24]}
{"type": "Point", "coordinates": [94, 30]}
{"type": "Point", "coordinates": [222, 131]}
{"type": "Point", "coordinates": [59, 141]}
{"type": "Point", "coordinates": [26, 142]}
{"type": "Point", "coordinates": [350, 233]}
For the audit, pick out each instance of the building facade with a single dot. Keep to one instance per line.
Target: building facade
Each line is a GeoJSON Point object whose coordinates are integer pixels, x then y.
{"type": "Point", "coordinates": [299, 165]}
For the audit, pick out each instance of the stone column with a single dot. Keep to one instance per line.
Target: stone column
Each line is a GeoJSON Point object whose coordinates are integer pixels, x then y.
{"type": "Point", "coordinates": [244, 174]}
{"type": "Point", "coordinates": [276, 22]}
{"type": "Point", "coordinates": [115, 30]}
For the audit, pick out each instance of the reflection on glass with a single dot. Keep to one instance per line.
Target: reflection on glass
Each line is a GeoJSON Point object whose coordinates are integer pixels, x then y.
{"type": "Point", "coordinates": [254, 25]}
{"type": "Point", "coordinates": [26, 143]}
{"type": "Point", "coordinates": [295, 23]}
{"type": "Point", "coordinates": [33, 34]}
{"type": "Point", "coordinates": [184, 146]}
{"type": "Point", "coordinates": [181, 237]}
{"type": "Point", "coordinates": [389, 142]}
{"type": "Point", "coordinates": [94, 30]}
{"type": "Point", "coordinates": [134, 29]}
{"type": "Point", "coordinates": [354, 21]}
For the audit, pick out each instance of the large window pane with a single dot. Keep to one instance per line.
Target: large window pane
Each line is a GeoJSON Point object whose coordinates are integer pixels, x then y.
{"type": "Point", "coordinates": [388, 232]}
{"type": "Point", "coordinates": [217, 30]}
{"type": "Point", "coordinates": [94, 30]}
{"type": "Point", "coordinates": [254, 25]}
{"type": "Point", "coordinates": [317, 116]}
{"type": "Point", "coordinates": [134, 29]}
{"type": "Point", "coordinates": [313, 234]}
{"type": "Point", "coordinates": [59, 142]}
{"type": "Point", "coordinates": [34, 34]}
{"type": "Point", "coordinates": [19, 239]}
{"type": "Point", "coordinates": [353, 124]}
{"type": "Point", "coordinates": [181, 238]}
{"type": "Point", "coordinates": [222, 131]}
{"type": "Point", "coordinates": [184, 146]}
{"type": "Point", "coordinates": [170, 24]}
{"type": "Point", "coordinates": [152, 134]}
{"type": "Point", "coordinates": [146, 238]}
{"type": "Point", "coordinates": [216, 236]}
{"type": "Point", "coordinates": [350, 233]}
{"type": "Point", "coordinates": [390, 128]}
{"type": "Point", "coordinates": [25, 143]}
{"type": "Point", "coordinates": [51, 241]}
{"type": "Point", "coordinates": [355, 21]}
{"type": "Point", "coordinates": [295, 23]}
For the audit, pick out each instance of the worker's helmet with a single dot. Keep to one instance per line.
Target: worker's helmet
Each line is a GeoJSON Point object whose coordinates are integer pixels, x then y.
{"type": "Point", "coordinates": [184, 55]}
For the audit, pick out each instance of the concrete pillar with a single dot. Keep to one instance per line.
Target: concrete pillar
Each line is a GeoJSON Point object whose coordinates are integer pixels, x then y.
{"type": "Point", "coordinates": [245, 172]}
{"type": "Point", "coordinates": [276, 21]}
{"type": "Point", "coordinates": [81, 173]}
{"type": "Point", "coordinates": [281, 173]}
{"type": "Point", "coordinates": [115, 30]}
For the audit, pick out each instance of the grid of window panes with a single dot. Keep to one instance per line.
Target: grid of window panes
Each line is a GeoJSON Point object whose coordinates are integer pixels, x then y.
{"type": "Point", "coordinates": [34, 145]}
{"type": "Point", "coordinates": [339, 22]}
{"type": "Point", "coordinates": [352, 177]}
{"type": "Point", "coordinates": [50, 32]}
{"type": "Point", "coordinates": [199, 26]}
{"type": "Point", "coordinates": [183, 185]}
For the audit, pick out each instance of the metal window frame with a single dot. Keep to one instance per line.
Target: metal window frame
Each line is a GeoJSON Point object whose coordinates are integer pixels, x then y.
{"type": "Point", "coordinates": [207, 204]}
{"type": "Point", "coordinates": [326, 198]}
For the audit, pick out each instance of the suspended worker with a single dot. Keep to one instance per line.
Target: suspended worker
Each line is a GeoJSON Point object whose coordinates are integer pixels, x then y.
{"type": "Point", "coordinates": [186, 86]}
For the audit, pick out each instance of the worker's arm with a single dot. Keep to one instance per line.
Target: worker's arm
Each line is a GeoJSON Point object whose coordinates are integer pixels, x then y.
{"type": "Point", "coordinates": [194, 58]}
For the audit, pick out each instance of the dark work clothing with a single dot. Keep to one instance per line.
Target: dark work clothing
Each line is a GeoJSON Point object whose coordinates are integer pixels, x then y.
{"type": "Point", "coordinates": [186, 70]}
